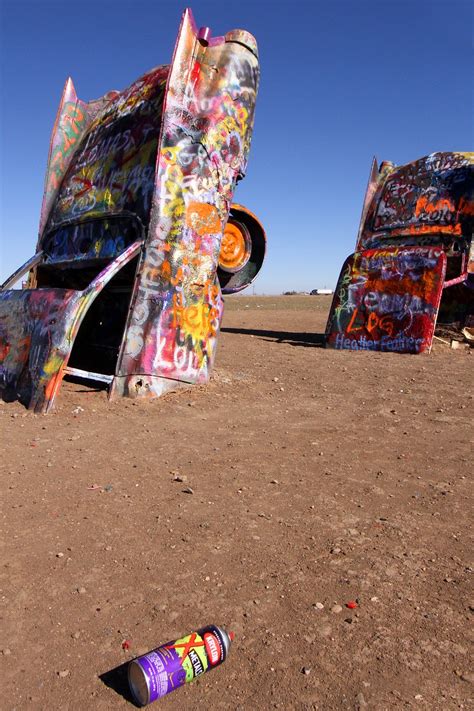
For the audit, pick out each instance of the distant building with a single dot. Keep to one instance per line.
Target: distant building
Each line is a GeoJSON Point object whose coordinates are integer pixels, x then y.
{"type": "Point", "coordinates": [320, 292]}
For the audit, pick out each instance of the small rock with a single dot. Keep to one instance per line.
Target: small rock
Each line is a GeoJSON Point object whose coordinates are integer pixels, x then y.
{"type": "Point", "coordinates": [468, 676]}
{"type": "Point", "coordinates": [374, 599]}
{"type": "Point", "coordinates": [319, 605]}
{"type": "Point", "coordinates": [418, 697]}
{"type": "Point", "coordinates": [59, 555]}
{"type": "Point", "coordinates": [274, 481]}
{"type": "Point", "coordinates": [81, 590]}
{"type": "Point", "coordinates": [64, 673]}
{"type": "Point", "coordinates": [335, 550]}
{"type": "Point", "coordinates": [76, 635]}
{"type": "Point", "coordinates": [188, 490]}
{"type": "Point", "coordinates": [180, 477]}
{"type": "Point", "coordinates": [336, 609]}
{"type": "Point", "coordinates": [6, 652]}
{"type": "Point", "coordinates": [306, 671]}
{"type": "Point", "coordinates": [360, 701]}
{"type": "Point", "coordinates": [349, 620]}
{"type": "Point", "coordinates": [275, 380]}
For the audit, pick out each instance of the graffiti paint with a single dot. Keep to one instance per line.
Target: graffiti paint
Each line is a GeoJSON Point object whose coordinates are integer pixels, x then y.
{"type": "Point", "coordinates": [113, 168]}
{"type": "Point", "coordinates": [150, 169]}
{"type": "Point", "coordinates": [204, 148]}
{"type": "Point", "coordinates": [37, 332]}
{"type": "Point", "coordinates": [433, 195]}
{"type": "Point", "coordinates": [387, 300]}
{"type": "Point", "coordinates": [414, 241]}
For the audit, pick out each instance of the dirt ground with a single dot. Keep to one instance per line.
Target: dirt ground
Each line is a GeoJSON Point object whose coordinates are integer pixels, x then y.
{"type": "Point", "coordinates": [318, 478]}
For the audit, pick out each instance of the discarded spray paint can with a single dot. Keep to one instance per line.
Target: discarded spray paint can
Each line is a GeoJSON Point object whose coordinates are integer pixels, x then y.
{"type": "Point", "coordinates": [168, 667]}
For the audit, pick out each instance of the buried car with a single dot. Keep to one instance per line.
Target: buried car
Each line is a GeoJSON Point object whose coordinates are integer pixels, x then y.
{"type": "Point", "coordinates": [414, 258]}
{"type": "Point", "coordinates": [138, 236]}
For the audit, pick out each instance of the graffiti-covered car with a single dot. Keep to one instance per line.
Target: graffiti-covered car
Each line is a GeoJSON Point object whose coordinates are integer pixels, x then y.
{"type": "Point", "coordinates": [138, 236]}
{"type": "Point", "coordinates": [414, 258]}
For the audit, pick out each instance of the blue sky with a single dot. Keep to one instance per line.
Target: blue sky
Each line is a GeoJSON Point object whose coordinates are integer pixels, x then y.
{"type": "Point", "coordinates": [341, 81]}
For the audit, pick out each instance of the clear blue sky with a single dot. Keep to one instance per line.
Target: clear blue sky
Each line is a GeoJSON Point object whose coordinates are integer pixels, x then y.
{"type": "Point", "coordinates": [341, 81]}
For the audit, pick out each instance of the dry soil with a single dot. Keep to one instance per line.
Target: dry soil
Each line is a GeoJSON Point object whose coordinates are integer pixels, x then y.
{"type": "Point", "coordinates": [318, 478]}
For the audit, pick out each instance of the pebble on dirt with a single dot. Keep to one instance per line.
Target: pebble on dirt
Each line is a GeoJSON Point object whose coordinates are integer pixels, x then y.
{"type": "Point", "coordinates": [181, 478]}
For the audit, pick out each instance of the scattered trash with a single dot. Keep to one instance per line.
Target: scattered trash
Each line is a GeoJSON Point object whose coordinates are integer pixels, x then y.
{"type": "Point", "coordinates": [126, 644]}
{"type": "Point", "coordinates": [456, 345]}
{"type": "Point", "coordinates": [77, 410]}
{"type": "Point", "coordinates": [188, 490]}
{"type": "Point", "coordinates": [468, 334]}
{"type": "Point", "coordinates": [94, 487]}
{"type": "Point", "coordinates": [351, 605]}
{"type": "Point", "coordinates": [168, 667]}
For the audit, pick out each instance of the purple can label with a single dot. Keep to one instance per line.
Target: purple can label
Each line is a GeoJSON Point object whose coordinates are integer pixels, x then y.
{"type": "Point", "coordinates": [175, 663]}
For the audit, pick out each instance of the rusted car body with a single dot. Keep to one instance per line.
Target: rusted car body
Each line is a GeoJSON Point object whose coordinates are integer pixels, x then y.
{"type": "Point", "coordinates": [414, 258]}
{"type": "Point", "coordinates": [138, 235]}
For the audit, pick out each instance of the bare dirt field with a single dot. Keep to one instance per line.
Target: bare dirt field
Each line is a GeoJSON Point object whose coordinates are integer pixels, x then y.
{"type": "Point", "coordinates": [317, 478]}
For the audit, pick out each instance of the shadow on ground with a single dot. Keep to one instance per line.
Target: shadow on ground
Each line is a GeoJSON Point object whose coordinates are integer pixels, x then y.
{"type": "Point", "coordinates": [316, 340]}
{"type": "Point", "coordinates": [117, 680]}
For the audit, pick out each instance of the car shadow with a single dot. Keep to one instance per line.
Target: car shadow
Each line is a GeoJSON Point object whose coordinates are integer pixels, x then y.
{"type": "Point", "coordinates": [315, 340]}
